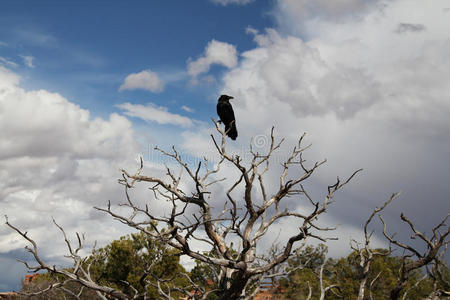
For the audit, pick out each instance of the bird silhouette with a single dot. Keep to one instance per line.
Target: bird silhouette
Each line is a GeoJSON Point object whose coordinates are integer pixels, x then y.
{"type": "Point", "coordinates": [226, 115]}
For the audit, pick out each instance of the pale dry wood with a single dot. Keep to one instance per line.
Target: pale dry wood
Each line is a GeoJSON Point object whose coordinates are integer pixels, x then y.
{"type": "Point", "coordinates": [414, 259]}
{"type": "Point", "coordinates": [244, 219]}
{"type": "Point", "coordinates": [79, 274]}
{"type": "Point", "coordinates": [366, 255]}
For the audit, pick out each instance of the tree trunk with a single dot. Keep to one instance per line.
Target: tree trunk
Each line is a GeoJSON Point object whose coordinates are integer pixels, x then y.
{"type": "Point", "coordinates": [237, 286]}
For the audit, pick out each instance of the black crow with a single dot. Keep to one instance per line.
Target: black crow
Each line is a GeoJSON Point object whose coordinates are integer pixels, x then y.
{"type": "Point", "coordinates": [226, 115]}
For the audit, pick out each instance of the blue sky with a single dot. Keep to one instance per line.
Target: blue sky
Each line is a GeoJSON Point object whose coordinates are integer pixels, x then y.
{"type": "Point", "coordinates": [87, 88]}
{"type": "Point", "coordinates": [85, 51]}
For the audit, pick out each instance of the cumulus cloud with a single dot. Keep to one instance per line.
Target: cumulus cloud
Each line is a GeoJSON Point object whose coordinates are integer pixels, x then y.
{"type": "Point", "coordinates": [367, 96]}
{"type": "Point", "coordinates": [56, 160]}
{"type": "Point", "coordinates": [216, 52]}
{"type": "Point", "coordinates": [8, 80]}
{"type": "Point", "coordinates": [228, 2]}
{"type": "Point", "coordinates": [152, 112]}
{"type": "Point", "coordinates": [28, 60]}
{"type": "Point", "coordinates": [145, 80]}
{"type": "Point", "coordinates": [288, 68]}
{"type": "Point", "coordinates": [50, 117]}
{"type": "Point", "coordinates": [352, 68]}
{"type": "Point", "coordinates": [299, 16]}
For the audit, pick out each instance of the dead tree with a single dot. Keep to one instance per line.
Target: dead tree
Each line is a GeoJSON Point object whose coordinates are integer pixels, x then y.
{"type": "Point", "coordinates": [244, 220]}
{"type": "Point", "coordinates": [80, 272]}
{"type": "Point", "coordinates": [365, 254]}
{"type": "Point", "coordinates": [325, 289]}
{"type": "Point", "coordinates": [439, 273]}
{"type": "Point", "coordinates": [436, 247]}
{"type": "Point", "coordinates": [415, 259]}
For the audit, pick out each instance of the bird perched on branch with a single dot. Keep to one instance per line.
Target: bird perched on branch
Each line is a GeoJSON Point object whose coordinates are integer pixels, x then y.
{"type": "Point", "coordinates": [226, 115]}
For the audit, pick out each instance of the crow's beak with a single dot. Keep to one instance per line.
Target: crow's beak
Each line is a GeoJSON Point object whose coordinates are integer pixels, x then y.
{"type": "Point", "coordinates": [229, 97]}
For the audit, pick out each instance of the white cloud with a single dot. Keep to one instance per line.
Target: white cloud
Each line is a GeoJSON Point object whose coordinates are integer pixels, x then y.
{"type": "Point", "coordinates": [152, 112]}
{"type": "Point", "coordinates": [367, 96]}
{"type": "Point", "coordinates": [187, 108]}
{"type": "Point", "coordinates": [288, 69]}
{"type": "Point", "coordinates": [293, 16]}
{"type": "Point", "coordinates": [216, 52]}
{"type": "Point", "coordinates": [228, 2]}
{"type": "Point", "coordinates": [28, 60]}
{"type": "Point", "coordinates": [8, 80]}
{"type": "Point", "coordinates": [353, 67]}
{"type": "Point", "coordinates": [56, 160]}
{"type": "Point", "coordinates": [145, 80]}
{"type": "Point", "coordinates": [7, 63]}
{"type": "Point", "coordinates": [295, 11]}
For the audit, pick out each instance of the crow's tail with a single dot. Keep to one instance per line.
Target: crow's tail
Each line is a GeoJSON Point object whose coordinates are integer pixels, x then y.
{"type": "Point", "coordinates": [231, 130]}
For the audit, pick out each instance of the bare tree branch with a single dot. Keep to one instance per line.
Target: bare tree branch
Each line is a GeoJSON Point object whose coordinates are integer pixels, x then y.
{"type": "Point", "coordinates": [417, 259]}
{"type": "Point", "coordinates": [78, 275]}
{"type": "Point", "coordinates": [324, 289]}
{"type": "Point", "coordinates": [243, 221]}
{"type": "Point", "coordinates": [366, 255]}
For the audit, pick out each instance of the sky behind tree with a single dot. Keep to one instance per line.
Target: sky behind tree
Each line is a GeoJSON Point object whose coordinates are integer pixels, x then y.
{"type": "Point", "coordinates": [86, 88]}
